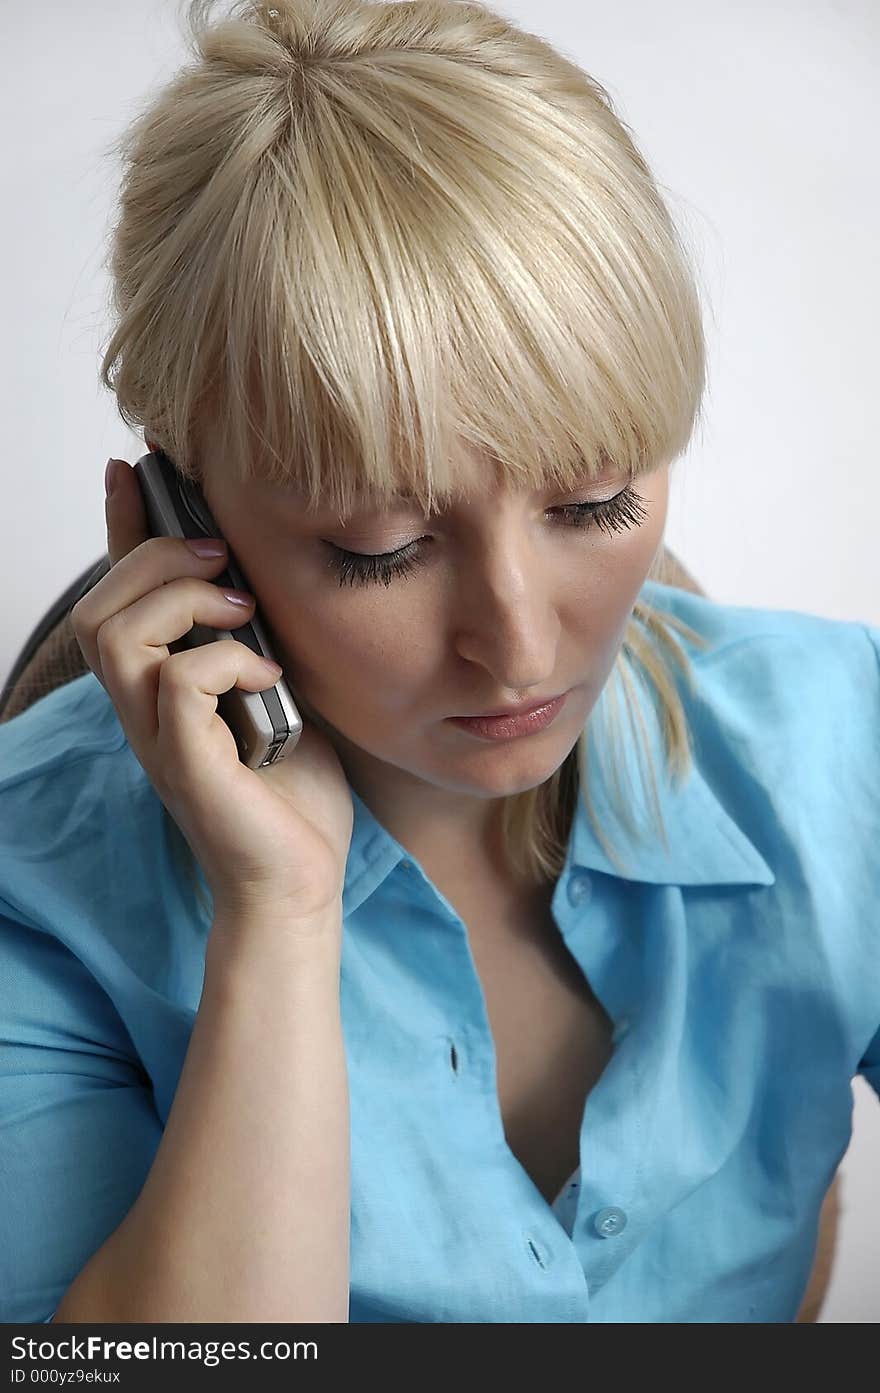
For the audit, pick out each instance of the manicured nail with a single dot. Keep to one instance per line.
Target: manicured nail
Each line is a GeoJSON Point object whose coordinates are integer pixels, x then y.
{"type": "Point", "coordinates": [111, 475]}
{"type": "Point", "coordinates": [206, 546]}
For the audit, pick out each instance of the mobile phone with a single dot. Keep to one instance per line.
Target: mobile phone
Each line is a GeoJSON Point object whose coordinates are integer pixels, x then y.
{"type": "Point", "coordinates": [266, 724]}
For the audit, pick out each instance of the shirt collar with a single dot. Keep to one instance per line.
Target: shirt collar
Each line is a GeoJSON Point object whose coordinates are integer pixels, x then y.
{"type": "Point", "coordinates": [706, 846]}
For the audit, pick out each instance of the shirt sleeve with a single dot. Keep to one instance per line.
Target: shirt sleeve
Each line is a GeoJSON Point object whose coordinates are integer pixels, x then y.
{"type": "Point", "coordinates": [78, 1128]}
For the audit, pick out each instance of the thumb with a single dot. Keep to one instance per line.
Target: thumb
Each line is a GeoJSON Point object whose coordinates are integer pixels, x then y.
{"type": "Point", "coordinates": [124, 510]}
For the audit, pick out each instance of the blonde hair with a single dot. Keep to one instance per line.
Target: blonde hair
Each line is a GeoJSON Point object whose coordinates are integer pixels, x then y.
{"type": "Point", "coordinates": [352, 233]}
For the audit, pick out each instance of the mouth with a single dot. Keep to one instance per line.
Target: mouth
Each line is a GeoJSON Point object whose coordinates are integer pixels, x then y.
{"type": "Point", "coordinates": [508, 727]}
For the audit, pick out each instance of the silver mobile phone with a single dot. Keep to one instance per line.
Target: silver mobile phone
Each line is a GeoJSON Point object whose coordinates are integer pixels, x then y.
{"type": "Point", "coordinates": [266, 724]}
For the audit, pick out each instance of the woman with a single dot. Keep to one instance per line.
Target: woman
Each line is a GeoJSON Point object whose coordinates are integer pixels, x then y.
{"type": "Point", "coordinates": [463, 1029]}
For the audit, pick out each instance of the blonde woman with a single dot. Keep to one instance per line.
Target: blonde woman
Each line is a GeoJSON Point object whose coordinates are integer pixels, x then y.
{"type": "Point", "coordinates": [548, 1020]}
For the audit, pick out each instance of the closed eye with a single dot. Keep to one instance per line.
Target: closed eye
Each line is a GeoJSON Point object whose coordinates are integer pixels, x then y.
{"type": "Point", "coordinates": [626, 509]}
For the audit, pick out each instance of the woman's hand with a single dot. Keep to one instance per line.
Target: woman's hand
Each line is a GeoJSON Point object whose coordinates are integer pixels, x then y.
{"type": "Point", "coordinates": [269, 841]}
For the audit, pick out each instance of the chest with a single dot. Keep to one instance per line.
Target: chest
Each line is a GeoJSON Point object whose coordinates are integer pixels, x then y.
{"type": "Point", "coordinates": [552, 1036]}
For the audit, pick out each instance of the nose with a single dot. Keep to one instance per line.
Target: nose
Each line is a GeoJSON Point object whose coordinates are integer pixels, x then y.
{"type": "Point", "coordinates": [507, 614]}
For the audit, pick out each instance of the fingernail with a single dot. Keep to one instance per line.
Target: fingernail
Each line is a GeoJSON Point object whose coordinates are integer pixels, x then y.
{"type": "Point", "coordinates": [206, 546]}
{"type": "Point", "coordinates": [111, 475]}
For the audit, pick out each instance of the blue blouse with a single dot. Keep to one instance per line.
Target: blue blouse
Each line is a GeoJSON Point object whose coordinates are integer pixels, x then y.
{"type": "Point", "coordinates": [740, 967]}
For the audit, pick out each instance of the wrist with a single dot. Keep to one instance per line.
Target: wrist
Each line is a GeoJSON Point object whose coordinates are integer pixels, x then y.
{"type": "Point", "coordinates": [249, 939]}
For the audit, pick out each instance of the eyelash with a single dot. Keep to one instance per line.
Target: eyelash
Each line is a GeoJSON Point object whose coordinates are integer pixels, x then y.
{"type": "Point", "coordinates": [626, 509]}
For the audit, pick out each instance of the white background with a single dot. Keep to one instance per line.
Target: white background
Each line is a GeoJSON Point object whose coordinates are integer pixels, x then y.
{"type": "Point", "coordinates": [760, 122]}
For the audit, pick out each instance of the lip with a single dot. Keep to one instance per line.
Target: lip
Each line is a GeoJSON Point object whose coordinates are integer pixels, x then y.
{"type": "Point", "coordinates": [508, 726]}
{"type": "Point", "coordinates": [509, 710]}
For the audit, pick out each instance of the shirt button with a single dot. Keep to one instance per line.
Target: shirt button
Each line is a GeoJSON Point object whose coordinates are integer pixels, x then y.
{"type": "Point", "coordinates": [609, 1221]}
{"type": "Point", "coordinates": [580, 887]}
{"type": "Point", "coordinates": [621, 1028]}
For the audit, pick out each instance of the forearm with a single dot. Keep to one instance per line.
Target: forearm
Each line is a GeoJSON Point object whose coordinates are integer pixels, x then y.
{"type": "Point", "coordinates": [244, 1215]}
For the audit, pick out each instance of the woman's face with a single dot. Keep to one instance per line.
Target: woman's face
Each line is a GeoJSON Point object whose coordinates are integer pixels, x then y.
{"type": "Point", "coordinates": [510, 602]}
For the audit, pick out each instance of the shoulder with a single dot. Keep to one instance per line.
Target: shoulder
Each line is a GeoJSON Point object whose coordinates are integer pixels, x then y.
{"type": "Point", "coordinates": [725, 624]}
{"type": "Point", "coordinates": [762, 665]}
{"type": "Point", "coordinates": [62, 758]}
{"type": "Point", "coordinates": [83, 846]}
{"type": "Point", "coordinates": [789, 700]}
{"type": "Point", "coordinates": [68, 726]}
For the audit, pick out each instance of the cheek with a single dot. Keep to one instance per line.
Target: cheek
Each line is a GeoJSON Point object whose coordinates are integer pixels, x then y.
{"type": "Point", "coordinates": [332, 641]}
{"type": "Point", "coordinates": [601, 602]}
{"type": "Point", "coordinates": [339, 650]}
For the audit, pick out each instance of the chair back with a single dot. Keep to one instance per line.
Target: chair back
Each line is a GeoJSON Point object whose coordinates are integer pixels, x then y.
{"type": "Point", "coordinates": [50, 656]}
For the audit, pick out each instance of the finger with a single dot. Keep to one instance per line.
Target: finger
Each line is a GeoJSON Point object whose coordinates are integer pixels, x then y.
{"type": "Point", "coordinates": [189, 683]}
{"type": "Point", "coordinates": [124, 512]}
{"type": "Point", "coordinates": [132, 645]}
